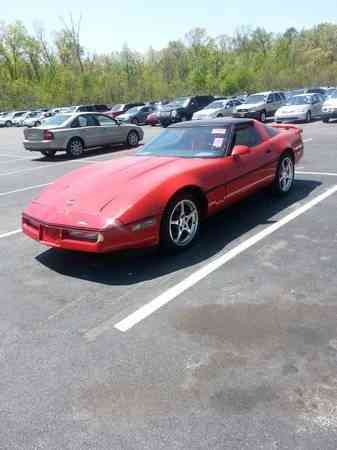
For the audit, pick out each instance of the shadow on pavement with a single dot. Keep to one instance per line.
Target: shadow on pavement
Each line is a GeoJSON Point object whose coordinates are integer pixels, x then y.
{"type": "Point", "coordinates": [132, 267]}
{"type": "Point", "coordinates": [96, 151]}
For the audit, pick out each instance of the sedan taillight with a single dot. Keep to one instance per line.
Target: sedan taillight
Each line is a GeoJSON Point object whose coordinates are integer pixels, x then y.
{"type": "Point", "coordinates": [48, 135]}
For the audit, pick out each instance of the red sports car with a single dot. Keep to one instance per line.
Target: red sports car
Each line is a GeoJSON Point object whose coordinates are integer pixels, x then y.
{"type": "Point", "coordinates": [162, 193]}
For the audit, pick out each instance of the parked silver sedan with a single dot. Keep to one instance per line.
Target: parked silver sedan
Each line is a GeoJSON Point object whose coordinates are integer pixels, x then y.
{"type": "Point", "coordinates": [304, 108]}
{"type": "Point", "coordinates": [73, 133]}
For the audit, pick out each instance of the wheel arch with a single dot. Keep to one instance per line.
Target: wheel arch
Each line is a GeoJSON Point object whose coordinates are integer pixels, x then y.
{"type": "Point", "coordinates": [197, 192]}
{"type": "Point", "coordinates": [75, 137]}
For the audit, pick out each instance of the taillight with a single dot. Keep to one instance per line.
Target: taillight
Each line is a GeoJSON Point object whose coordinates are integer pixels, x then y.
{"type": "Point", "coordinates": [48, 135]}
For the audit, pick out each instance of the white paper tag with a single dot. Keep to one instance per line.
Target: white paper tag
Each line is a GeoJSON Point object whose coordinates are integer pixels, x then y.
{"type": "Point", "coordinates": [218, 142]}
{"type": "Point", "coordinates": [219, 131]}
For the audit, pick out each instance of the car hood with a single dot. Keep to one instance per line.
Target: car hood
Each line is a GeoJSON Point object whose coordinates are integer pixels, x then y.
{"type": "Point", "coordinates": [292, 108]}
{"type": "Point", "coordinates": [249, 106]}
{"type": "Point", "coordinates": [97, 194]}
{"type": "Point", "coordinates": [208, 112]}
{"type": "Point", "coordinates": [331, 103]}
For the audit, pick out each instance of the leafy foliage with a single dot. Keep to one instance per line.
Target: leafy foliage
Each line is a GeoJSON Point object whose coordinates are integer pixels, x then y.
{"type": "Point", "coordinates": [35, 72]}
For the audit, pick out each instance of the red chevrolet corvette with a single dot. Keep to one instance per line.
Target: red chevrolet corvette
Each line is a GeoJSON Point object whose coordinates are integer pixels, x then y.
{"type": "Point", "coordinates": [162, 193]}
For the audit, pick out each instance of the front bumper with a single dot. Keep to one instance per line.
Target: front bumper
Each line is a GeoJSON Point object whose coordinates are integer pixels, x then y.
{"type": "Point", "coordinates": [329, 114]}
{"type": "Point", "coordinates": [112, 239]}
{"type": "Point", "coordinates": [247, 114]}
{"type": "Point", "coordinates": [293, 117]}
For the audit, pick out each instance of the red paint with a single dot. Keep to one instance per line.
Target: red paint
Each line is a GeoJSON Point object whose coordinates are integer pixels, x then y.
{"type": "Point", "coordinates": [152, 119]}
{"type": "Point", "coordinates": [112, 197]}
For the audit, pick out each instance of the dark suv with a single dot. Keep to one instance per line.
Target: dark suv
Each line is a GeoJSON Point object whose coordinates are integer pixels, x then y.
{"type": "Point", "coordinates": [183, 108]}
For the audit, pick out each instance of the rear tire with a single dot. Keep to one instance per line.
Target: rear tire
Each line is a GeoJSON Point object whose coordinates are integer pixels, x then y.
{"type": "Point", "coordinates": [263, 116]}
{"type": "Point", "coordinates": [132, 139]}
{"type": "Point", "coordinates": [75, 147]}
{"type": "Point", "coordinates": [326, 120]}
{"type": "Point", "coordinates": [8, 124]}
{"type": "Point", "coordinates": [48, 153]}
{"type": "Point", "coordinates": [37, 124]}
{"type": "Point", "coordinates": [308, 117]}
{"type": "Point", "coordinates": [284, 177]}
{"type": "Point", "coordinates": [180, 223]}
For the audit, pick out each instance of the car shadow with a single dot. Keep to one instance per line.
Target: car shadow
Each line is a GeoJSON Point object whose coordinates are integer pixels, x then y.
{"type": "Point", "coordinates": [96, 151]}
{"type": "Point", "coordinates": [131, 267]}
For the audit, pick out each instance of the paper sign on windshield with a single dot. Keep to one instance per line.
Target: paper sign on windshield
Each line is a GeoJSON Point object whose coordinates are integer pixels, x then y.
{"type": "Point", "coordinates": [218, 142]}
{"type": "Point", "coordinates": [219, 130]}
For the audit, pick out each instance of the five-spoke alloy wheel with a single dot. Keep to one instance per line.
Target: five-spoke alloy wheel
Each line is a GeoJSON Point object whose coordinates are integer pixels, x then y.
{"type": "Point", "coordinates": [285, 174]}
{"type": "Point", "coordinates": [181, 222]}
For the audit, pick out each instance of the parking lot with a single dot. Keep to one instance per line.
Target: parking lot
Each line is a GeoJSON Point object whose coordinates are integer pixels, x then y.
{"type": "Point", "coordinates": [230, 345]}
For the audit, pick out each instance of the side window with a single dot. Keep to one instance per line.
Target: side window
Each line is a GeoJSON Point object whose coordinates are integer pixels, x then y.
{"type": "Point", "coordinates": [100, 108]}
{"type": "Point", "coordinates": [271, 98]}
{"type": "Point", "coordinates": [85, 121]}
{"type": "Point", "coordinates": [247, 136]}
{"type": "Point", "coordinates": [105, 121]}
{"type": "Point", "coordinates": [277, 98]}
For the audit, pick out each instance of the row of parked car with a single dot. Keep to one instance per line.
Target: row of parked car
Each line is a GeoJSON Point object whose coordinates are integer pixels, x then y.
{"type": "Point", "coordinates": [297, 105]}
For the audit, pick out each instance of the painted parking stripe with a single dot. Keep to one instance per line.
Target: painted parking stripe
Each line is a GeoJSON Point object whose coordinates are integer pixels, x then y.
{"type": "Point", "coordinates": [28, 188]}
{"type": "Point", "coordinates": [10, 233]}
{"type": "Point", "coordinates": [307, 140]}
{"type": "Point", "coordinates": [160, 301]}
{"type": "Point", "coordinates": [328, 174]}
{"type": "Point", "coordinates": [31, 169]}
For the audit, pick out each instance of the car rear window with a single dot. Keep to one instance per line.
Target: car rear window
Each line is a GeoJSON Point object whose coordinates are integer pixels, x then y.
{"type": "Point", "coordinates": [272, 131]}
{"type": "Point", "coordinates": [56, 120]}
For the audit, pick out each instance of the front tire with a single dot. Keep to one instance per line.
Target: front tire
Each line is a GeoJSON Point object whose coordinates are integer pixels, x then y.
{"type": "Point", "coordinates": [75, 147]}
{"type": "Point", "coordinates": [285, 174]}
{"type": "Point", "coordinates": [263, 116]}
{"type": "Point", "coordinates": [308, 117]}
{"type": "Point", "coordinates": [8, 124]}
{"type": "Point", "coordinates": [326, 120]}
{"type": "Point", "coordinates": [132, 139]}
{"type": "Point", "coordinates": [37, 124]}
{"type": "Point", "coordinates": [180, 223]}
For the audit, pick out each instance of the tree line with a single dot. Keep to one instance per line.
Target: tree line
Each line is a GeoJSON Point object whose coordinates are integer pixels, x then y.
{"type": "Point", "coordinates": [36, 71]}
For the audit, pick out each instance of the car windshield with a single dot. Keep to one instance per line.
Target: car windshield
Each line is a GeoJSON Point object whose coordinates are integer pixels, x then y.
{"type": "Point", "coordinates": [333, 94]}
{"type": "Point", "coordinates": [300, 100]}
{"type": "Point", "coordinates": [189, 142]}
{"type": "Point", "coordinates": [255, 98]}
{"type": "Point", "coordinates": [134, 110]}
{"type": "Point", "coordinates": [180, 102]}
{"type": "Point", "coordinates": [56, 121]}
{"type": "Point", "coordinates": [317, 91]}
{"type": "Point", "coordinates": [217, 104]}
{"type": "Point", "coordinates": [116, 108]}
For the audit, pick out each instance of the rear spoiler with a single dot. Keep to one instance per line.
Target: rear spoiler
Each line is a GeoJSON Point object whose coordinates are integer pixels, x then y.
{"type": "Point", "coordinates": [286, 126]}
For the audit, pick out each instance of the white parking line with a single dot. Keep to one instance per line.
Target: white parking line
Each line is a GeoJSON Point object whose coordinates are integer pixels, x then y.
{"type": "Point", "coordinates": [31, 169]}
{"type": "Point", "coordinates": [307, 140]}
{"type": "Point", "coordinates": [10, 233]}
{"type": "Point", "coordinates": [14, 157]}
{"type": "Point", "coordinates": [151, 307]}
{"type": "Point", "coordinates": [328, 174]}
{"type": "Point", "coordinates": [2, 194]}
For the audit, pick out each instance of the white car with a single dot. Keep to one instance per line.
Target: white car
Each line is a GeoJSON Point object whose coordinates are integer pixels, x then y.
{"type": "Point", "coordinates": [301, 108]}
{"type": "Point", "coordinates": [8, 119]}
{"type": "Point", "coordinates": [218, 108]}
{"type": "Point", "coordinates": [18, 120]}
{"type": "Point", "coordinates": [329, 109]}
{"type": "Point", "coordinates": [34, 119]}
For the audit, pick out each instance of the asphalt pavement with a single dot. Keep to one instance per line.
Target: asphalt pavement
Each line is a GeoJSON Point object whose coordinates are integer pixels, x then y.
{"type": "Point", "coordinates": [230, 345]}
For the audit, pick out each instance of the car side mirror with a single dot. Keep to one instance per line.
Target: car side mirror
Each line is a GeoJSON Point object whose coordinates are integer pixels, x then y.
{"type": "Point", "coordinates": [240, 150]}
